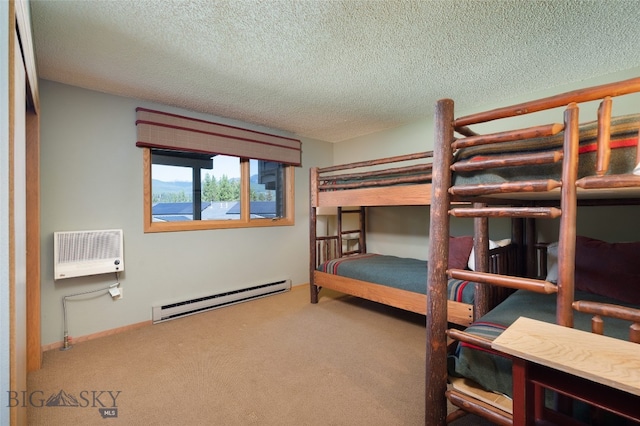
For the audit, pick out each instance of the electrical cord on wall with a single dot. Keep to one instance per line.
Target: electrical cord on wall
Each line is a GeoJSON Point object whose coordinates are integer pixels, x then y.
{"type": "Point", "coordinates": [66, 339]}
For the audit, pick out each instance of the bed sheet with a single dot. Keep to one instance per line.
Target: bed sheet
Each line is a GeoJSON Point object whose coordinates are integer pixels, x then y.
{"type": "Point", "coordinates": [398, 272]}
{"type": "Point", "coordinates": [492, 371]}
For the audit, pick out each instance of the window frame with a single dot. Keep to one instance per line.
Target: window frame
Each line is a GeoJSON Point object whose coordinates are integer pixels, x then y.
{"type": "Point", "coordinates": [245, 220]}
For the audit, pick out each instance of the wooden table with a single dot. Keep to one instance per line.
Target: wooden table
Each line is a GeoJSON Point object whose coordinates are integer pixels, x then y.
{"type": "Point", "coordinates": [599, 370]}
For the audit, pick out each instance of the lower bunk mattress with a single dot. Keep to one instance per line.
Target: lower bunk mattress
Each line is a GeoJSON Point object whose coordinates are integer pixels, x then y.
{"type": "Point", "coordinates": [492, 371]}
{"type": "Point", "coordinates": [398, 272]}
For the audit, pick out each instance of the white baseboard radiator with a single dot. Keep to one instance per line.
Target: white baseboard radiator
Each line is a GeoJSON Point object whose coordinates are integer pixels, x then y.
{"type": "Point", "coordinates": [201, 304]}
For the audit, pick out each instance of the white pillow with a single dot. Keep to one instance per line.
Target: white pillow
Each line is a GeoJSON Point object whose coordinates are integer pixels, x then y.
{"type": "Point", "coordinates": [552, 263]}
{"type": "Point", "coordinates": [492, 244]}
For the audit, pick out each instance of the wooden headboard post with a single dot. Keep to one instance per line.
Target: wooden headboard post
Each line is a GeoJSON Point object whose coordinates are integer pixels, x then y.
{"type": "Point", "coordinates": [530, 239]}
{"type": "Point", "coordinates": [339, 220]}
{"type": "Point", "coordinates": [481, 252]}
{"type": "Point", "coordinates": [517, 238]}
{"type": "Point", "coordinates": [362, 242]}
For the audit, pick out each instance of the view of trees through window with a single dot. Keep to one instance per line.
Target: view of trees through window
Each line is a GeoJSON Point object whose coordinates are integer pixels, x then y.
{"type": "Point", "coordinates": [188, 186]}
{"type": "Point", "coordinates": [213, 189]}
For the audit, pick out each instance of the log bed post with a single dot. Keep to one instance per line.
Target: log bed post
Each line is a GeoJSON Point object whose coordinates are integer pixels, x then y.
{"type": "Point", "coordinates": [529, 251]}
{"type": "Point", "coordinates": [481, 253]}
{"type": "Point", "coordinates": [339, 221]}
{"type": "Point", "coordinates": [436, 356]}
{"type": "Point", "coordinates": [518, 238]}
{"type": "Point", "coordinates": [362, 241]}
{"type": "Point", "coordinates": [313, 202]}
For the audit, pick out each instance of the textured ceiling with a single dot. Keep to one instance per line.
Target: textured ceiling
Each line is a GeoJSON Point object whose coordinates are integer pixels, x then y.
{"type": "Point", "coordinates": [330, 69]}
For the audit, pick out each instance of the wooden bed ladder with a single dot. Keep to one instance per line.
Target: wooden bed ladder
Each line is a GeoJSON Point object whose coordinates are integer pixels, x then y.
{"type": "Point", "coordinates": [349, 236]}
{"type": "Point", "coordinates": [481, 212]}
{"type": "Point", "coordinates": [341, 243]}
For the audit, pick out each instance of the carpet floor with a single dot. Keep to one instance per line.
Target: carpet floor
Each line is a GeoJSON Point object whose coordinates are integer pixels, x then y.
{"type": "Point", "coordinates": [278, 360]}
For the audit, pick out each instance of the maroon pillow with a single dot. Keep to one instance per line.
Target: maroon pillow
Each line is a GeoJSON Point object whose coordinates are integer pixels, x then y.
{"type": "Point", "coordinates": [608, 269]}
{"type": "Point", "coordinates": [459, 251]}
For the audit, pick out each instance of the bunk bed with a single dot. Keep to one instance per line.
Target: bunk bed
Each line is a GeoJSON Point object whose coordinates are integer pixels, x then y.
{"type": "Point", "coordinates": [340, 261]}
{"type": "Point", "coordinates": [530, 174]}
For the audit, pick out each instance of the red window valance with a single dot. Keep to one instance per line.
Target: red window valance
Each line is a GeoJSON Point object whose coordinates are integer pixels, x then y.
{"type": "Point", "coordinates": [162, 130]}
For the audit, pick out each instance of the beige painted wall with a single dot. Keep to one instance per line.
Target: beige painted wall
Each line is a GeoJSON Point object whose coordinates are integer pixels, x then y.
{"type": "Point", "coordinates": [92, 179]}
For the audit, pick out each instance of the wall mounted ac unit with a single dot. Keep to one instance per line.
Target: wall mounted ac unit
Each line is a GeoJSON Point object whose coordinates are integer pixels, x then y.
{"type": "Point", "coordinates": [80, 253]}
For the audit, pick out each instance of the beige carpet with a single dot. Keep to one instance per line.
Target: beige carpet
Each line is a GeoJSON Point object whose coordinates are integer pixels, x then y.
{"type": "Point", "coordinates": [273, 361]}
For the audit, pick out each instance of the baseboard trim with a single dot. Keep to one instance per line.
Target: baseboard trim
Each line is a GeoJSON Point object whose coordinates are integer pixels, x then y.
{"type": "Point", "coordinates": [58, 345]}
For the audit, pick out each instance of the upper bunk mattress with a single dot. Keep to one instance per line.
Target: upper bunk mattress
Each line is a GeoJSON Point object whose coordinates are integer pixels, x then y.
{"type": "Point", "coordinates": [624, 142]}
{"type": "Point", "coordinates": [398, 272]}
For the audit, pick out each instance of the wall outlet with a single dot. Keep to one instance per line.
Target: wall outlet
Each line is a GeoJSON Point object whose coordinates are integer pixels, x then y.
{"type": "Point", "coordinates": [116, 293]}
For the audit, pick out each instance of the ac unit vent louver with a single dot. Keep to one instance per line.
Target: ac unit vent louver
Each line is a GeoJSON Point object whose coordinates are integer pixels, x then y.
{"type": "Point", "coordinates": [193, 306]}
{"type": "Point", "coordinates": [80, 253]}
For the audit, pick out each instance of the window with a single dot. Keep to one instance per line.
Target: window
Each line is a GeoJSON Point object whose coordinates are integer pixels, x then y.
{"type": "Point", "coordinates": [187, 191]}
{"type": "Point", "coordinates": [204, 175]}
